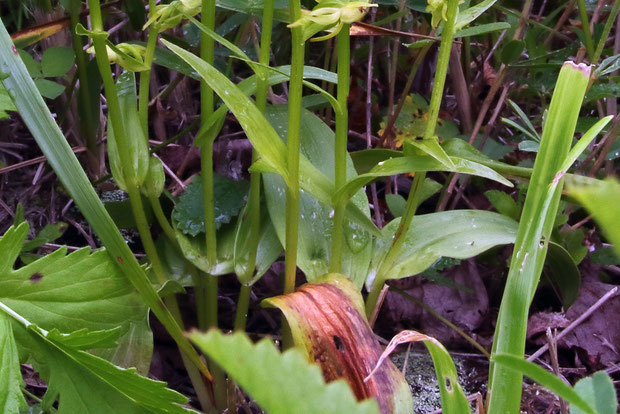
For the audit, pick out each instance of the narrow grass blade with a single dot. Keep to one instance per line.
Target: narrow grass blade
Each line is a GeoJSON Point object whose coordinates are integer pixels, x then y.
{"type": "Point", "coordinates": [531, 245]}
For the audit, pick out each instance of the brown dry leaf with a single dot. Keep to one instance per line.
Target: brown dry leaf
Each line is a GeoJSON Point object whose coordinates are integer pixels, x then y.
{"type": "Point", "coordinates": [328, 323]}
{"type": "Point", "coordinates": [598, 336]}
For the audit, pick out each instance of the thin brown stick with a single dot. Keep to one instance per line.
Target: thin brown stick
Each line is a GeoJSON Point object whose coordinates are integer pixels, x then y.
{"type": "Point", "coordinates": [34, 161]}
{"type": "Point", "coordinates": [576, 322]}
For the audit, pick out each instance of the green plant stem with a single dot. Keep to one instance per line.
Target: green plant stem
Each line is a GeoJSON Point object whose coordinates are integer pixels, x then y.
{"type": "Point", "coordinates": [137, 208]}
{"type": "Point", "coordinates": [88, 126]}
{"type": "Point", "coordinates": [340, 146]}
{"type": "Point", "coordinates": [292, 144]}
{"type": "Point", "coordinates": [162, 219]}
{"type": "Point", "coordinates": [145, 80]}
{"type": "Point", "coordinates": [243, 304]}
{"type": "Point", "coordinates": [606, 30]}
{"type": "Point", "coordinates": [262, 87]}
{"type": "Point", "coordinates": [585, 23]}
{"type": "Point", "coordinates": [101, 54]}
{"type": "Point", "coordinates": [415, 193]}
{"type": "Point", "coordinates": [209, 291]}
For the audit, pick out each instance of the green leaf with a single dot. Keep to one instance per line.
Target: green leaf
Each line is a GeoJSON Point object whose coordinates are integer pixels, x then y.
{"type": "Point", "coordinates": [546, 379]}
{"type": "Point", "coordinates": [416, 163]}
{"type": "Point", "coordinates": [135, 140]}
{"type": "Point", "coordinates": [76, 291]}
{"type": "Point", "coordinates": [229, 199]}
{"type": "Point", "coordinates": [255, 7]}
{"type": "Point", "coordinates": [472, 13]}
{"type": "Point", "coordinates": [563, 274]}
{"type": "Point", "coordinates": [194, 249]}
{"type": "Point", "coordinates": [48, 234]}
{"type": "Point", "coordinates": [315, 224]}
{"type": "Point", "coordinates": [155, 179]}
{"type": "Point", "coordinates": [512, 51]}
{"type": "Point", "coordinates": [84, 383]}
{"type": "Point", "coordinates": [263, 137]}
{"type": "Point", "coordinates": [602, 199]}
{"type": "Point", "coordinates": [49, 89]}
{"type": "Point", "coordinates": [57, 61]}
{"type": "Point", "coordinates": [11, 398]}
{"type": "Point", "coordinates": [33, 67]}
{"type": "Point", "coordinates": [537, 221]}
{"type": "Point", "coordinates": [280, 383]}
{"type": "Point", "coordinates": [6, 103]}
{"type": "Point", "coordinates": [482, 29]}
{"type": "Point", "coordinates": [396, 203]}
{"type": "Point", "coordinates": [269, 246]}
{"type": "Point", "coordinates": [599, 392]}
{"type": "Point", "coordinates": [459, 234]}
{"type": "Point", "coordinates": [504, 203]}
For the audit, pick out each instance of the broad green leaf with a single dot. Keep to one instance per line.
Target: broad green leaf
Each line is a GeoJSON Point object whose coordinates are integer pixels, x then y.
{"type": "Point", "coordinates": [194, 249]}
{"type": "Point", "coordinates": [396, 203]}
{"type": "Point", "coordinates": [11, 398]}
{"type": "Point", "coordinates": [546, 379]}
{"type": "Point", "coordinates": [264, 138]}
{"type": "Point", "coordinates": [33, 67]}
{"type": "Point", "coordinates": [84, 383]}
{"type": "Point", "coordinates": [189, 210]}
{"type": "Point", "coordinates": [57, 61]}
{"type": "Point", "coordinates": [599, 392]}
{"type": "Point", "coordinates": [135, 140]}
{"type": "Point", "coordinates": [504, 203]}
{"type": "Point", "coordinates": [54, 146]}
{"type": "Point", "coordinates": [328, 324]}
{"type": "Point", "coordinates": [482, 29]}
{"type": "Point", "coordinates": [315, 225]}
{"type": "Point", "coordinates": [537, 221]}
{"type": "Point", "coordinates": [602, 199]}
{"type": "Point", "coordinates": [269, 246]}
{"type": "Point", "coordinates": [416, 163]}
{"type": "Point", "coordinates": [76, 291]}
{"type": "Point", "coordinates": [453, 398]}
{"type": "Point", "coordinates": [459, 234]}
{"type": "Point", "coordinates": [280, 383]}
{"type": "Point", "coordinates": [48, 88]}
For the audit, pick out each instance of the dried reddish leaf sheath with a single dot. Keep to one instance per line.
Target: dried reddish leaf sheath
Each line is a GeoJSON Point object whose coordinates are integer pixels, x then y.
{"type": "Point", "coordinates": [327, 321]}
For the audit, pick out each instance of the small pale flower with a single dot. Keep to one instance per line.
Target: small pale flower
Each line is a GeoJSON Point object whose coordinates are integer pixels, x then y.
{"type": "Point", "coordinates": [129, 57]}
{"type": "Point", "coordinates": [331, 15]}
{"type": "Point", "coordinates": [439, 10]}
{"type": "Point", "coordinates": [167, 16]}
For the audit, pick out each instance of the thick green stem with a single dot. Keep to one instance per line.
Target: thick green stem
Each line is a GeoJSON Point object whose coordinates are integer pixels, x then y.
{"type": "Point", "coordinates": [243, 304]}
{"type": "Point", "coordinates": [171, 302]}
{"type": "Point", "coordinates": [292, 144]}
{"type": "Point", "coordinates": [208, 295]}
{"type": "Point", "coordinates": [145, 80]}
{"type": "Point", "coordinates": [585, 23]}
{"type": "Point", "coordinates": [171, 307]}
{"type": "Point", "coordinates": [340, 146]}
{"type": "Point", "coordinates": [415, 193]}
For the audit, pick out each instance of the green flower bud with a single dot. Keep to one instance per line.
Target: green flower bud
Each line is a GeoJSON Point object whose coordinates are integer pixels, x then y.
{"type": "Point", "coordinates": [167, 16]}
{"type": "Point", "coordinates": [331, 15]}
